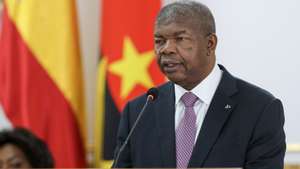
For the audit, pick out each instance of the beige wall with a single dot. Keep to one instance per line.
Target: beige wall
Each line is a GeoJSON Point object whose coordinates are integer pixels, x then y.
{"type": "Point", "coordinates": [89, 35]}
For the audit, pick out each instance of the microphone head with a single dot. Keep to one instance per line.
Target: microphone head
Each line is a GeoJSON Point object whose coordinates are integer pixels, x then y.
{"type": "Point", "coordinates": [152, 93]}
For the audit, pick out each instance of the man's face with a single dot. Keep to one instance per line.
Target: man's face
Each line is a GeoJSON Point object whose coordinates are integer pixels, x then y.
{"type": "Point", "coordinates": [182, 53]}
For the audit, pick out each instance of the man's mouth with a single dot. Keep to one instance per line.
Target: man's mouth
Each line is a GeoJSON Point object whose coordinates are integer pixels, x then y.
{"type": "Point", "coordinates": [170, 66]}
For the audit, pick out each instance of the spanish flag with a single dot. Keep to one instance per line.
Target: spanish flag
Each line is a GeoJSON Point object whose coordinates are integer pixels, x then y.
{"type": "Point", "coordinates": [127, 66]}
{"type": "Point", "coordinates": [40, 75]}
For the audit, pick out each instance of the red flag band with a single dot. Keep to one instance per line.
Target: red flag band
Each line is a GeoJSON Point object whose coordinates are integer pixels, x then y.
{"type": "Point", "coordinates": [128, 60]}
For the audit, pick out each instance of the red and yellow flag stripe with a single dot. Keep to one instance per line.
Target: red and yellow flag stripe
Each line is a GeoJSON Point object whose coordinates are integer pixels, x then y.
{"type": "Point", "coordinates": [41, 79]}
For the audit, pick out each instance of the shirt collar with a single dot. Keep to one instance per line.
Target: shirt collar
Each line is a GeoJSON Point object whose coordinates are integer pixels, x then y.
{"type": "Point", "coordinates": [205, 90]}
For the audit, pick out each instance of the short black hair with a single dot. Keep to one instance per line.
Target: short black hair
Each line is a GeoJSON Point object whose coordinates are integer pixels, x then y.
{"type": "Point", "coordinates": [188, 11]}
{"type": "Point", "coordinates": [35, 150]}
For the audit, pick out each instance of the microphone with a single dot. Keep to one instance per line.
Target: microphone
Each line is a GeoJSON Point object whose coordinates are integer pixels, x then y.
{"type": "Point", "coordinates": [152, 94]}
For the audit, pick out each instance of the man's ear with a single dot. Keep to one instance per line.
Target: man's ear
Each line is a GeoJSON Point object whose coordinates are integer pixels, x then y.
{"type": "Point", "coordinates": [212, 41]}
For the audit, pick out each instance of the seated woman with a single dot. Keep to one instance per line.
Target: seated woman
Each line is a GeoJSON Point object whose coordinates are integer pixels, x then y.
{"type": "Point", "coordinates": [19, 148]}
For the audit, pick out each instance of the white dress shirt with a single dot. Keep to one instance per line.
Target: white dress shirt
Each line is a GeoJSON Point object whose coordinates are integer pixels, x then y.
{"type": "Point", "coordinates": [204, 91]}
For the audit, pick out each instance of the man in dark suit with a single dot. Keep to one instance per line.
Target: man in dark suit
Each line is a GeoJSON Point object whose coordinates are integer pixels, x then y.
{"type": "Point", "coordinates": [203, 117]}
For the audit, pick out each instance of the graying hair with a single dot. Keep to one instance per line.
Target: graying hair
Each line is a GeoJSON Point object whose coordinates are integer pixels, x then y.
{"type": "Point", "coordinates": [188, 11]}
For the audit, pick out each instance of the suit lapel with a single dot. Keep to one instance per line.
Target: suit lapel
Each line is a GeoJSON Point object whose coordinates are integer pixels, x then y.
{"type": "Point", "coordinates": [165, 114]}
{"type": "Point", "coordinates": [217, 114]}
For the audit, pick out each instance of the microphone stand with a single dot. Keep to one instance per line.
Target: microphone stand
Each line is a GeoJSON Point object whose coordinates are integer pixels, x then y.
{"type": "Point", "coordinates": [149, 98]}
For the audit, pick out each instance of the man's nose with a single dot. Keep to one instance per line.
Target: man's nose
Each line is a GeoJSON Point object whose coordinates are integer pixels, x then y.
{"type": "Point", "coordinates": [169, 47]}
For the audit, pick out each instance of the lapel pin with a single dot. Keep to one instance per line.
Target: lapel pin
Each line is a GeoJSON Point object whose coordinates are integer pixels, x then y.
{"type": "Point", "coordinates": [227, 106]}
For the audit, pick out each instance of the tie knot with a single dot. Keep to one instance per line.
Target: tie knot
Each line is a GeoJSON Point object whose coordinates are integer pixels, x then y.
{"type": "Point", "coordinates": [189, 99]}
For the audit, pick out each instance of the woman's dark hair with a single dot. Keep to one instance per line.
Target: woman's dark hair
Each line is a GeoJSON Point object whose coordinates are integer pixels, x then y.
{"type": "Point", "coordinates": [35, 150]}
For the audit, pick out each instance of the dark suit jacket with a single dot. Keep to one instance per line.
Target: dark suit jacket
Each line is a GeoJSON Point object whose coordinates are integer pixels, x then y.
{"type": "Point", "coordinates": [242, 128]}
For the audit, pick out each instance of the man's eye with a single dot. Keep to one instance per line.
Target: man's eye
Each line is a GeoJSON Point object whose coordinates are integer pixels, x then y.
{"type": "Point", "coordinates": [179, 39]}
{"type": "Point", "coordinates": [158, 41]}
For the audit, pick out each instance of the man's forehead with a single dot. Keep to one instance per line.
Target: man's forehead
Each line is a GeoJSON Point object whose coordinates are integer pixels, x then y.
{"type": "Point", "coordinates": [172, 29]}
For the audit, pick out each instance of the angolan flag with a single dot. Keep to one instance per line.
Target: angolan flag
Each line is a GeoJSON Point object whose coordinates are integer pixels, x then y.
{"type": "Point", "coordinates": [40, 75]}
{"type": "Point", "coordinates": [127, 66]}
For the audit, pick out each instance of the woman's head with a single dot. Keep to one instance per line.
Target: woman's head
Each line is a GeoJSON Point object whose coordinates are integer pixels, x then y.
{"type": "Point", "coordinates": [19, 148]}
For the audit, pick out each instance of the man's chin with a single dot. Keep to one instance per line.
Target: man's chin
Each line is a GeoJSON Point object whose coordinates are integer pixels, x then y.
{"type": "Point", "coordinates": [176, 79]}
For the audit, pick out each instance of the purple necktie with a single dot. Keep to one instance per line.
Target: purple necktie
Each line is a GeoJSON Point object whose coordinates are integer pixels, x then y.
{"type": "Point", "coordinates": [186, 131]}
